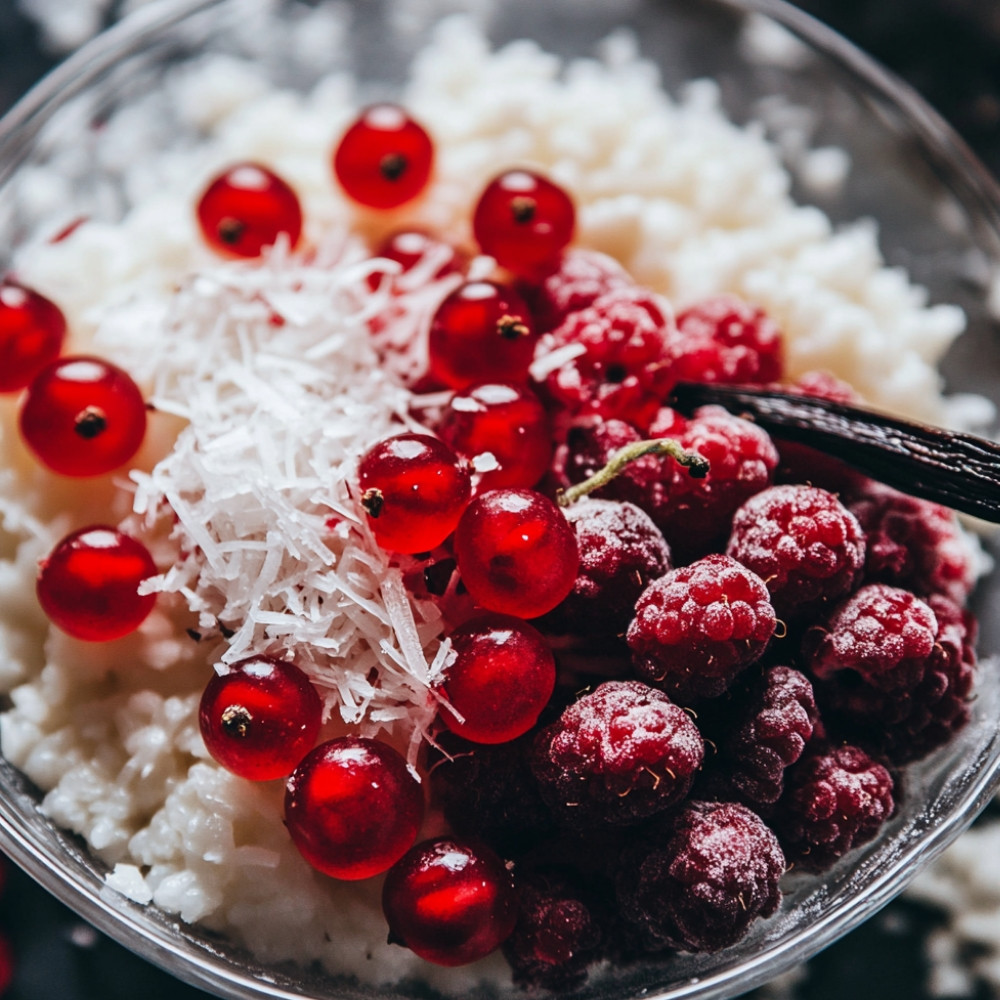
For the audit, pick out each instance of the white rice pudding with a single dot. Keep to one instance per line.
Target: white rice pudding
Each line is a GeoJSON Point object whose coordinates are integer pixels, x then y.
{"type": "Point", "coordinates": [259, 424]}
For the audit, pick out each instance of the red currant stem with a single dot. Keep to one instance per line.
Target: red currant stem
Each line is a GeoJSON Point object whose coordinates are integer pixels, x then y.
{"type": "Point", "coordinates": [696, 465]}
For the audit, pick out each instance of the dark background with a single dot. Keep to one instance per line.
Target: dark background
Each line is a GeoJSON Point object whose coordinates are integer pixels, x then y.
{"type": "Point", "coordinates": [950, 51]}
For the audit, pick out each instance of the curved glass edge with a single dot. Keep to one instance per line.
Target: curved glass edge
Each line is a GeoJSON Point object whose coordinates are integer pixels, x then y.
{"type": "Point", "coordinates": [123, 920]}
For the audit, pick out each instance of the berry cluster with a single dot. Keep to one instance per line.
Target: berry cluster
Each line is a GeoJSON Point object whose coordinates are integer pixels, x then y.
{"type": "Point", "coordinates": [721, 675]}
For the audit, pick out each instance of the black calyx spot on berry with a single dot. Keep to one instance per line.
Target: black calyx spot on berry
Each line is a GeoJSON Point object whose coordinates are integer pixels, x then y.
{"type": "Point", "coordinates": [90, 422]}
{"type": "Point", "coordinates": [236, 721]}
{"type": "Point", "coordinates": [522, 208]}
{"type": "Point", "coordinates": [231, 230]}
{"type": "Point", "coordinates": [392, 166]}
{"type": "Point", "coordinates": [373, 501]}
{"type": "Point", "coordinates": [616, 374]}
{"type": "Point", "coordinates": [512, 327]}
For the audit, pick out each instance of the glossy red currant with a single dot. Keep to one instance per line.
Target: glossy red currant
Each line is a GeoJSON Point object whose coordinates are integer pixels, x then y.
{"type": "Point", "coordinates": [83, 416]}
{"type": "Point", "coordinates": [246, 209]}
{"type": "Point", "coordinates": [503, 676]}
{"type": "Point", "coordinates": [352, 807]}
{"type": "Point", "coordinates": [32, 331]}
{"type": "Point", "coordinates": [412, 247]}
{"type": "Point", "coordinates": [507, 421]}
{"type": "Point", "coordinates": [450, 901]}
{"type": "Point", "coordinates": [525, 221]}
{"type": "Point", "coordinates": [414, 489]}
{"type": "Point", "coordinates": [259, 717]}
{"type": "Point", "coordinates": [516, 552]}
{"type": "Point", "coordinates": [481, 332]}
{"type": "Point", "coordinates": [385, 158]}
{"type": "Point", "coordinates": [88, 585]}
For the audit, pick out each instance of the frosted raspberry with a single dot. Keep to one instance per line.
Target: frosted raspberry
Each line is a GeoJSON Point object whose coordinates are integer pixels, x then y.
{"type": "Point", "coordinates": [695, 514]}
{"type": "Point", "coordinates": [621, 372]}
{"type": "Point", "coordinates": [620, 754]}
{"type": "Point", "coordinates": [834, 801]}
{"type": "Point", "coordinates": [883, 634]}
{"type": "Point", "coordinates": [697, 627]}
{"type": "Point", "coordinates": [801, 464]}
{"type": "Point", "coordinates": [913, 544]}
{"type": "Point", "coordinates": [703, 888]}
{"type": "Point", "coordinates": [488, 791]}
{"type": "Point", "coordinates": [724, 339]}
{"type": "Point", "coordinates": [557, 935]}
{"type": "Point", "coordinates": [771, 736]}
{"type": "Point", "coordinates": [621, 552]}
{"type": "Point", "coordinates": [582, 277]}
{"type": "Point", "coordinates": [907, 725]}
{"type": "Point", "coordinates": [803, 542]}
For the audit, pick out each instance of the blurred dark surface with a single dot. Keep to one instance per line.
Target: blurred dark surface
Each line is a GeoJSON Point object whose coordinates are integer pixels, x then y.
{"type": "Point", "coordinates": [949, 50]}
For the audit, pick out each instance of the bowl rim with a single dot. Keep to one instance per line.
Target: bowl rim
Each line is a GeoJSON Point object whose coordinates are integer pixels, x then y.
{"type": "Point", "coordinates": [157, 942]}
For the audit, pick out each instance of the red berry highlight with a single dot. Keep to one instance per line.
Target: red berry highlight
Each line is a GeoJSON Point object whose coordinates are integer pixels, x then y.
{"type": "Point", "coordinates": [260, 717]}
{"type": "Point", "coordinates": [450, 901]}
{"type": "Point", "coordinates": [413, 490]}
{"type": "Point", "coordinates": [32, 331]}
{"type": "Point", "coordinates": [525, 221]}
{"type": "Point", "coordinates": [83, 416]}
{"type": "Point", "coordinates": [516, 552]}
{"type": "Point", "coordinates": [503, 676]}
{"type": "Point", "coordinates": [507, 421]}
{"type": "Point", "coordinates": [88, 585]}
{"type": "Point", "coordinates": [246, 209]}
{"type": "Point", "coordinates": [384, 159]}
{"type": "Point", "coordinates": [352, 807]}
{"type": "Point", "coordinates": [482, 332]}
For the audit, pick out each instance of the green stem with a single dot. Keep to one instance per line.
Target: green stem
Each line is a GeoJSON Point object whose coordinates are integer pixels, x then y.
{"type": "Point", "coordinates": [691, 460]}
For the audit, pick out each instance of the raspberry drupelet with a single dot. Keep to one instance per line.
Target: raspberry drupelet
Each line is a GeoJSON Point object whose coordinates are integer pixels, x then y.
{"type": "Point", "coordinates": [620, 754]}
{"type": "Point", "coordinates": [698, 627]}
{"type": "Point", "coordinates": [621, 553]}
{"type": "Point", "coordinates": [703, 887]}
{"type": "Point", "coordinates": [912, 543]}
{"type": "Point", "coordinates": [803, 542]}
{"type": "Point", "coordinates": [834, 801]}
{"type": "Point", "coordinates": [725, 339]}
{"type": "Point", "coordinates": [621, 372]}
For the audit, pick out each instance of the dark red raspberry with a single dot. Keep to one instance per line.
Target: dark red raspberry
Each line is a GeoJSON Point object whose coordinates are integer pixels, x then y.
{"type": "Point", "coordinates": [488, 791]}
{"type": "Point", "coordinates": [695, 514]}
{"type": "Point", "coordinates": [907, 725]}
{"type": "Point", "coordinates": [557, 934]}
{"type": "Point", "coordinates": [697, 627]}
{"type": "Point", "coordinates": [771, 736]}
{"type": "Point", "coordinates": [620, 754]}
{"type": "Point", "coordinates": [704, 887]}
{"type": "Point", "coordinates": [883, 634]}
{"type": "Point", "coordinates": [834, 801]}
{"type": "Point", "coordinates": [620, 372]}
{"type": "Point", "coordinates": [582, 277]}
{"type": "Point", "coordinates": [803, 542]}
{"type": "Point", "coordinates": [621, 552]}
{"type": "Point", "coordinates": [913, 544]}
{"type": "Point", "coordinates": [724, 339]}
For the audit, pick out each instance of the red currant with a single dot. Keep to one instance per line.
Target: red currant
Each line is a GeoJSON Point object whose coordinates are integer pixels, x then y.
{"type": "Point", "coordinates": [507, 421]}
{"type": "Point", "coordinates": [384, 159]}
{"type": "Point", "coordinates": [414, 489]}
{"type": "Point", "coordinates": [503, 676]}
{"type": "Point", "coordinates": [525, 222]}
{"type": "Point", "coordinates": [352, 807]}
{"type": "Point", "coordinates": [516, 553]}
{"type": "Point", "coordinates": [481, 332]}
{"type": "Point", "coordinates": [88, 585]}
{"type": "Point", "coordinates": [449, 901]}
{"type": "Point", "coordinates": [260, 717]}
{"type": "Point", "coordinates": [246, 208]}
{"type": "Point", "coordinates": [32, 330]}
{"type": "Point", "coordinates": [83, 416]}
{"type": "Point", "coordinates": [410, 247]}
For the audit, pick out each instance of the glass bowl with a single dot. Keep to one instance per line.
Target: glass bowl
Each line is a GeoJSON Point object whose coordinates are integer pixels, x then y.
{"type": "Point", "coordinates": [938, 213]}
